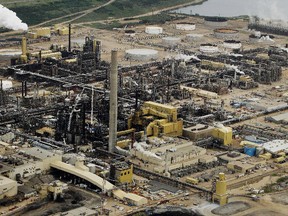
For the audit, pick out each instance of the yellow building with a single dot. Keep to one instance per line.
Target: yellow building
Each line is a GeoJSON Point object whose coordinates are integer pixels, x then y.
{"type": "Point", "coordinates": [121, 172]}
{"type": "Point", "coordinates": [63, 31]}
{"type": "Point", "coordinates": [39, 32]}
{"type": "Point", "coordinates": [43, 32]}
{"type": "Point", "coordinates": [223, 134]}
{"type": "Point", "coordinates": [8, 187]}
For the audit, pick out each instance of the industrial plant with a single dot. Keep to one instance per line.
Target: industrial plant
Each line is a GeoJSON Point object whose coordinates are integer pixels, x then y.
{"type": "Point", "coordinates": [187, 116]}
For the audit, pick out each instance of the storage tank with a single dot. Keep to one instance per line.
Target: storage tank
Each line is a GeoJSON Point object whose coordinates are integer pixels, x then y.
{"type": "Point", "coordinates": [254, 38]}
{"type": "Point", "coordinates": [232, 44]}
{"type": "Point", "coordinates": [154, 30]}
{"type": "Point", "coordinates": [92, 167]}
{"type": "Point", "coordinates": [216, 21]}
{"type": "Point", "coordinates": [171, 41]}
{"type": "Point", "coordinates": [209, 48]}
{"type": "Point", "coordinates": [186, 26]}
{"type": "Point", "coordinates": [141, 54]}
{"type": "Point", "coordinates": [226, 33]}
{"type": "Point", "coordinates": [251, 151]}
{"type": "Point", "coordinates": [7, 54]}
{"type": "Point", "coordinates": [194, 37]}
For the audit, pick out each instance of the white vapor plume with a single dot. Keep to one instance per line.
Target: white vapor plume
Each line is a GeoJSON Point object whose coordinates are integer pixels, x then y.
{"type": "Point", "coordinates": [9, 20]}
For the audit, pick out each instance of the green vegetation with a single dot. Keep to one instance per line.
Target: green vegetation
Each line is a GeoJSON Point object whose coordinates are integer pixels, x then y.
{"type": "Point", "coordinates": [127, 8]}
{"type": "Point", "coordinates": [3, 30]}
{"type": "Point", "coordinates": [282, 179]}
{"type": "Point", "coordinates": [34, 12]}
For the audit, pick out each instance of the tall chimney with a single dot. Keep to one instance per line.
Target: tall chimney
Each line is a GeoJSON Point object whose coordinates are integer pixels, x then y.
{"type": "Point", "coordinates": [113, 101]}
{"type": "Point", "coordinates": [23, 56]}
{"type": "Point", "coordinates": [24, 46]}
{"type": "Point", "coordinates": [69, 39]}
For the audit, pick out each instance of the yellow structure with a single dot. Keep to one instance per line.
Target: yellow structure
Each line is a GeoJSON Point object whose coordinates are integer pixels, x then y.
{"type": "Point", "coordinates": [157, 119]}
{"type": "Point", "coordinates": [218, 65]}
{"type": "Point", "coordinates": [94, 45]}
{"type": "Point", "coordinates": [123, 143]}
{"type": "Point", "coordinates": [63, 31]}
{"type": "Point", "coordinates": [121, 172]}
{"type": "Point", "coordinates": [266, 156]}
{"type": "Point", "coordinates": [39, 32]}
{"type": "Point", "coordinates": [192, 180]}
{"type": "Point", "coordinates": [46, 54]}
{"type": "Point", "coordinates": [43, 32]}
{"type": "Point", "coordinates": [56, 188]}
{"type": "Point", "coordinates": [32, 35]}
{"type": "Point", "coordinates": [280, 159]}
{"type": "Point", "coordinates": [23, 57]}
{"type": "Point", "coordinates": [223, 134]}
{"type": "Point", "coordinates": [221, 190]}
{"type": "Point", "coordinates": [246, 78]}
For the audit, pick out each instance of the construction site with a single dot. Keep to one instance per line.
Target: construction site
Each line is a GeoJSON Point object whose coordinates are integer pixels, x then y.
{"type": "Point", "coordinates": [187, 117]}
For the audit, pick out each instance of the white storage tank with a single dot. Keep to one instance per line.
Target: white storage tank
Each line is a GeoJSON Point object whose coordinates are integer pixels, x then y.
{"type": "Point", "coordinates": [171, 41]}
{"type": "Point", "coordinates": [141, 54]}
{"type": "Point", "coordinates": [194, 37]}
{"type": "Point", "coordinates": [7, 84]}
{"type": "Point", "coordinates": [186, 26]}
{"type": "Point", "coordinates": [154, 30]}
{"type": "Point", "coordinates": [7, 54]}
{"type": "Point", "coordinates": [209, 48]}
{"type": "Point", "coordinates": [232, 44]}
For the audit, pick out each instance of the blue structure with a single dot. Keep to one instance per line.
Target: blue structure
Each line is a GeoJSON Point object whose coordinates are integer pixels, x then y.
{"type": "Point", "coordinates": [251, 151]}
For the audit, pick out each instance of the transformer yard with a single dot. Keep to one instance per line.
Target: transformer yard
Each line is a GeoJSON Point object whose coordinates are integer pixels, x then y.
{"type": "Point", "coordinates": [189, 116]}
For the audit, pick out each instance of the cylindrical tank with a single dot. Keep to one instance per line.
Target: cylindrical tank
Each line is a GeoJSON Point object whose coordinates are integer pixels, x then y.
{"type": "Point", "coordinates": [216, 21]}
{"type": "Point", "coordinates": [186, 26]}
{"type": "Point", "coordinates": [154, 30]}
{"type": "Point", "coordinates": [171, 41]}
{"type": "Point", "coordinates": [226, 33]}
{"type": "Point", "coordinates": [8, 54]}
{"type": "Point", "coordinates": [232, 44]}
{"type": "Point", "coordinates": [221, 185]}
{"type": "Point", "coordinates": [209, 48]}
{"type": "Point", "coordinates": [141, 54]}
{"type": "Point", "coordinates": [194, 37]}
{"type": "Point", "coordinates": [92, 167]}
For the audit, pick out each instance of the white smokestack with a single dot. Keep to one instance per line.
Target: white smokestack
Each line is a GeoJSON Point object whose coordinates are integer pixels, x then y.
{"type": "Point", "coordinates": [9, 20]}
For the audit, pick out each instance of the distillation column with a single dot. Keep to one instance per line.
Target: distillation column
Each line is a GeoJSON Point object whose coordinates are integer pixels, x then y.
{"type": "Point", "coordinates": [113, 101]}
{"type": "Point", "coordinates": [221, 190]}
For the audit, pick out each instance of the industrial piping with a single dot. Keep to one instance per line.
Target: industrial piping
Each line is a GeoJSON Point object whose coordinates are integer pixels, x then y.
{"type": "Point", "coordinates": [113, 101]}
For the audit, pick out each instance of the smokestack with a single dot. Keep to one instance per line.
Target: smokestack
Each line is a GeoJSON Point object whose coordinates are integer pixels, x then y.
{"type": "Point", "coordinates": [24, 46]}
{"type": "Point", "coordinates": [25, 86]}
{"type": "Point", "coordinates": [94, 45]}
{"type": "Point", "coordinates": [24, 50]}
{"type": "Point", "coordinates": [22, 89]}
{"type": "Point", "coordinates": [113, 101]}
{"type": "Point", "coordinates": [98, 53]}
{"type": "Point", "coordinates": [69, 39]}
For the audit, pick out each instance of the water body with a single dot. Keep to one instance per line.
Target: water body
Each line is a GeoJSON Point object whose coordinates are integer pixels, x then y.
{"type": "Point", "coordinates": [266, 9]}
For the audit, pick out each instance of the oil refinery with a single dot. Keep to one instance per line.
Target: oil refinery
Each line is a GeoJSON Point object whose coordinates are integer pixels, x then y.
{"type": "Point", "coordinates": [186, 117]}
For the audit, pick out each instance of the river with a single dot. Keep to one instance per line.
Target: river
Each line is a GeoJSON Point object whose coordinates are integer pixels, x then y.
{"type": "Point", "coordinates": [266, 9]}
